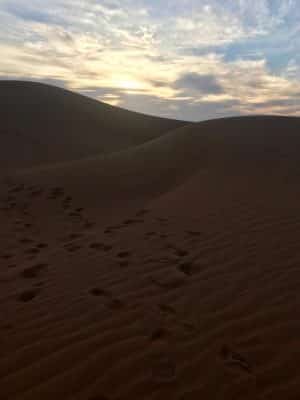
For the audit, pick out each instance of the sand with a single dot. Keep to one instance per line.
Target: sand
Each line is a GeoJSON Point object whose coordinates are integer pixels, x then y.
{"type": "Point", "coordinates": [45, 124]}
{"type": "Point", "coordinates": [166, 270]}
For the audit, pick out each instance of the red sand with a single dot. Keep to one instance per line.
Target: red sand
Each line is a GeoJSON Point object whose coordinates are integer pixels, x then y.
{"type": "Point", "coordinates": [165, 271]}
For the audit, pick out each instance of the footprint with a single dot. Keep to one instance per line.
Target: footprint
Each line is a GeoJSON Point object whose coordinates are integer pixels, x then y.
{"type": "Point", "coordinates": [193, 233]}
{"type": "Point", "coordinates": [17, 189]}
{"type": "Point", "coordinates": [181, 253]}
{"type": "Point", "coordinates": [6, 256]}
{"type": "Point", "coordinates": [26, 240]}
{"type": "Point", "coordinates": [142, 212]}
{"type": "Point", "coordinates": [88, 225]}
{"type": "Point", "coordinates": [124, 263]}
{"type": "Point", "coordinates": [115, 304]}
{"type": "Point", "coordinates": [170, 282]}
{"type": "Point", "coordinates": [97, 292]}
{"type": "Point", "coordinates": [96, 246]}
{"type": "Point", "coordinates": [148, 234]}
{"type": "Point", "coordinates": [74, 236]}
{"type": "Point", "coordinates": [158, 334]}
{"type": "Point", "coordinates": [132, 221]}
{"type": "Point", "coordinates": [7, 327]}
{"type": "Point", "coordinates": [101, 246]}
{"type": "Point", "coordinates": [128, 221]}
{"type": "Point", "coordinates": [32, 250]}
{"type": "Point", "coordinates": [39, 284]}
{"type": "Point", "coordinates": [42, 245]}
{"type": "Point", "coordinates": [123, 254]}
{"type": "Point", "coordinates": [71, 248]}
{"type": "Point", "coordinates": [107, 247]}
{"type": "Point", "coordinates": [189, 326]}
{"type": "Point", "coordinates": [186, 268]}
{"type": "Point", "coordinates": [28, 295]}
{"type": "Point", "coordinates": [33, 272]}
{"type": "Point", "coordinates": [234, 359]}
{"type": "Point", "coordinates": [115, 228]}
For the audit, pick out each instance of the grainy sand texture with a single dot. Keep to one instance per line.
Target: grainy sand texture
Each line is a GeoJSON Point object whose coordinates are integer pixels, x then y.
{"type": "Point", "coordinates": [143, 258]}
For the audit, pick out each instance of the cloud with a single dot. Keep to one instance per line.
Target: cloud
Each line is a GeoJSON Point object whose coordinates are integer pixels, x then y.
{"type": "Point", "coordinates": [27, 13]}
{"type": "Point", "coordinates": [185, 59]}
{"type": "Point", "coordinates": [196, 83]}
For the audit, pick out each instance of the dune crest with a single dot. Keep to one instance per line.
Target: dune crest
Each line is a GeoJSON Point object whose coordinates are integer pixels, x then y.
{"type": "Point", "coordinates": [42, 124]}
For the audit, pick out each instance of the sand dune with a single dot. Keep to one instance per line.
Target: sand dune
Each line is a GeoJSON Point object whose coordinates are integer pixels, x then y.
{"type": "Point", "coordinates": [45, 124]}
{"type": "Point", "coordinates": [256, 148]}
{"type": "Point", "coordinates": [168, 270]}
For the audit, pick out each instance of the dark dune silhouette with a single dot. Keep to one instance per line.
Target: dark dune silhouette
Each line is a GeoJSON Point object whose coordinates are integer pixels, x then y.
{"type": "Point", "coordinates": [45, 124]}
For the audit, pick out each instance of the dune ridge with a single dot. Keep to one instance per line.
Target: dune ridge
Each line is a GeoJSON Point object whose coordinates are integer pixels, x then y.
{"type": "Point", "coordinates": [42, 124]}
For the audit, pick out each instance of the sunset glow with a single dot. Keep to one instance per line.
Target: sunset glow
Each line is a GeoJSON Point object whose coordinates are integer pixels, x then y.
{"type": "Point", "coordinates": [184, 59]}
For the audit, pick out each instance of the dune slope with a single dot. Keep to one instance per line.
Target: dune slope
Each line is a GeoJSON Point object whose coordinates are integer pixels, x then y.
{"type": "Point", "coordinates": [256, 147]}
{"type": "Point", "coordinates": [167, 271]}
{"type": "Point", "coordinates": [45, 124]}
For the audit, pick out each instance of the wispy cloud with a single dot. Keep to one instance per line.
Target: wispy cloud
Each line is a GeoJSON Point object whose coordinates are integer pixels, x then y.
{"type": "Point", "coordinates": [184, 59]}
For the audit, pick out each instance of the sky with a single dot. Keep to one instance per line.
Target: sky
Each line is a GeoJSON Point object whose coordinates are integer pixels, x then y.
{"type": "Point", "coordinates": [184, 59]}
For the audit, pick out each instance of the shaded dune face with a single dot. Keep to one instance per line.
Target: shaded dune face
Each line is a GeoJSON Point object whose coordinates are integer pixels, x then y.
{"type": "Point", "coordinates": [44, 124]}
{"type": "Point", "coordinates": [257, 148]}
{"type": "Point", "coordinates": [166, 270]}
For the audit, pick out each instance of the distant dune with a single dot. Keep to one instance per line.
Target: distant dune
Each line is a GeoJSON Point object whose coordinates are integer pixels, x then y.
{"type": "Point", "coordinates": [255, 147]}
{"type": "Point", "coordinates": [45, 124]}
{"type": "Point", "coordinates": [167, 269]}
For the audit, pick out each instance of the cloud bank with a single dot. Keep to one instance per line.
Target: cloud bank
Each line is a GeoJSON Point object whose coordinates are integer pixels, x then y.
{"type": "Point", "coordinates": [181, 59]}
